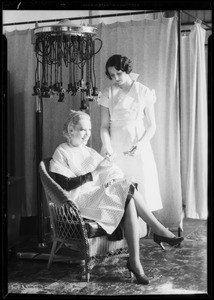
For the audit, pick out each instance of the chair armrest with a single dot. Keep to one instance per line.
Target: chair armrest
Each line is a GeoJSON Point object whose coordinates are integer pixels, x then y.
{"type": "Point", "coordinates": [74, 218]}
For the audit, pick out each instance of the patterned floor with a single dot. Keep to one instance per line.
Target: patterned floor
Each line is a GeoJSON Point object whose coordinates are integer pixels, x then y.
{"type": "Point", "coordinates": [176, 271]}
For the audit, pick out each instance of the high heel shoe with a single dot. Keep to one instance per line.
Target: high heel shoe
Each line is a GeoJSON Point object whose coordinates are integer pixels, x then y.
{"type": "Point", "coordinates": [141, 278]}
{"type": "Point", "coordinates": [171, 241]}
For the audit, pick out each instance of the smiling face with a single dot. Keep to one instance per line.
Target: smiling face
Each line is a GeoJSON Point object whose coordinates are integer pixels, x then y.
{"type": "Point", "coordinates": [80, 133]}
{"type": "Point", "coordinates": [119, 77]}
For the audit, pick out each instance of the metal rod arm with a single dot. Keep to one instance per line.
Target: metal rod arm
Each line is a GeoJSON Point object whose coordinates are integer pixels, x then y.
{"type": "Point", "coordinates": [88, 17]}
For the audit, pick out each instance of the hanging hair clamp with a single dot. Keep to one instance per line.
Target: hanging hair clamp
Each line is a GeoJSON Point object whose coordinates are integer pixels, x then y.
{"type": "Point", "coordinates": [94, 91]}
{"type": "Point", "coordinates": [45, 90]}
{"type": "Point", "coordinates": [70, 88]}
{"type": "Point", "coordinates": [83, 106]}
{"type": "Point", "coordinates": [36, 89]}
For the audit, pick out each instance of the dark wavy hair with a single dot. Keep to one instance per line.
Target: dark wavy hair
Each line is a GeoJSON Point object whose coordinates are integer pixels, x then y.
{"type": "Point", "coordinates": [121, 63]}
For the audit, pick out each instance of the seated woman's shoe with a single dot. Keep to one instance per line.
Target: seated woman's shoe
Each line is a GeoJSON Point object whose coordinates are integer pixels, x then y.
{"type": "Point", "coordinates": [171, 241]}
{"type": "Point", "coordinates": [141, 278]}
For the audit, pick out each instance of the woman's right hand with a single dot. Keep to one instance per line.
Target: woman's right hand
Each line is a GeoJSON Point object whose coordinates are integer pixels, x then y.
{"type": "Point", "coordinates": [108, 152]}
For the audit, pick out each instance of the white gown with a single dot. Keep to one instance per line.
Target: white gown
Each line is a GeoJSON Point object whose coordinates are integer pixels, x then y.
{"type": "Point", "coordinates": [95, 200]}
{"type": "Point", "coordinates": [127, 125]}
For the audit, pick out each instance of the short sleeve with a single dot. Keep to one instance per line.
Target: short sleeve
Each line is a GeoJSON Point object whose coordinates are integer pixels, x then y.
{"type": "Point", "coordinates": [150, 97]}
{"type": "Point", "coordinates": [103, 98]}
{"type": "Point", "coordinates": [59, 156]}
{"type": "Point", "coordinates": [59, 163]}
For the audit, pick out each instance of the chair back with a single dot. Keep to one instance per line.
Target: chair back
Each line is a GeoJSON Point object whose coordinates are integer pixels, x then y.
{"type": "Point", "coordinates": [64, 214]}
{"type": "Point", "coordinates": [53, 191]}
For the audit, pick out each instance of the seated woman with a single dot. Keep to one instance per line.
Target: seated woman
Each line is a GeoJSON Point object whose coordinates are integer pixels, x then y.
{"type": "Point", "coordinates": [102, 192]}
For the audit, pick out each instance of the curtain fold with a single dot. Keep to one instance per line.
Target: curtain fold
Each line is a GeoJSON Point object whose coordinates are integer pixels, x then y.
{"type": "Point", "coordinates": [194, 128]}
{"type": "Point", "coordinates": [20, 80]}
{"type": "Point", "coordinates": [152, 47]}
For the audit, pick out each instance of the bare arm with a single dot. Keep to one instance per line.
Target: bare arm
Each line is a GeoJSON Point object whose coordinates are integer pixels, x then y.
{"type": "Point", "coordinates": [104, 131]}
{"type": "Point", "coordinates": [150, 115]}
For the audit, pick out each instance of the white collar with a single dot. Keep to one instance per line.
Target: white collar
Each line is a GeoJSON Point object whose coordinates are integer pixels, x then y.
{"type": "Point", "coordinates": [134, 76]}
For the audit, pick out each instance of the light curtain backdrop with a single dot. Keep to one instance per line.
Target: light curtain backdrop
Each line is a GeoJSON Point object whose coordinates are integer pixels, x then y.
{"type": "Point", "coordinates": [194, 123]}
{"type": "Point", "coordinates": [152, 46]}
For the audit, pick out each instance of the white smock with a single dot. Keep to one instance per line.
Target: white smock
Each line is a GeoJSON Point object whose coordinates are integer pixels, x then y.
{"type": "Point", "coordinates": [102, 199]}
{"type": "Point", "coordinates": [127, 126]}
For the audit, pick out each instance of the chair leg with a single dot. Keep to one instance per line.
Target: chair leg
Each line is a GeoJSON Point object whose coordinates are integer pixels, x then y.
{"type": "Point", "coordinates": [149, 229]}
{"type": "Point", "coordinates": [87, 276]}
{"type": "Point", "coordinates": [87, 269]}
{"type": "Point", "coordinates": [52, 253]}
{"type": "Point", "coordinates": [85, 272]}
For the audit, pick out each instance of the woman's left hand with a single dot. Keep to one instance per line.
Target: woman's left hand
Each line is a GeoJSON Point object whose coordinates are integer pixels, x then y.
{"type": "Point", "coordinates": [132, 151]}
{"type": "Point", "coordinates": [109, 157]}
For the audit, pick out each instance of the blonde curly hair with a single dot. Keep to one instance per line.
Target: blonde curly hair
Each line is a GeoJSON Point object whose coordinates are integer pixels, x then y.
{"type": "Point", "coordinates": [72, 120]}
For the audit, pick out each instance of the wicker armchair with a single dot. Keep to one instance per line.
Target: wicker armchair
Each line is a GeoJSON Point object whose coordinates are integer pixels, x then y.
{"type": "Point", "coordinates": [71, 229]}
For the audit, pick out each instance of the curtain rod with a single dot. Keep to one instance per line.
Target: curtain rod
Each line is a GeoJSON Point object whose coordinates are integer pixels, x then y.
{"type": "Point", "coordinates": [88, 17]}
{"type": "Point", "coordinates": [188, 30]}
{"type": "Point", "coordinates": [197, 19]}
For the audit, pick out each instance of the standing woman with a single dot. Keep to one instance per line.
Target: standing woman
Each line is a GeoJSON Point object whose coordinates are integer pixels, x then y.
{"type": "Point", "coordinates": [127, 125]}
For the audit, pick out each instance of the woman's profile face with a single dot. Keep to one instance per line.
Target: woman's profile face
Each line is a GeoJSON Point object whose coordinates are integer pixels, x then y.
{"type": "Point", "coordinates": [80, 133]}
{"type": "Point", "coordinates": [119, 77]}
